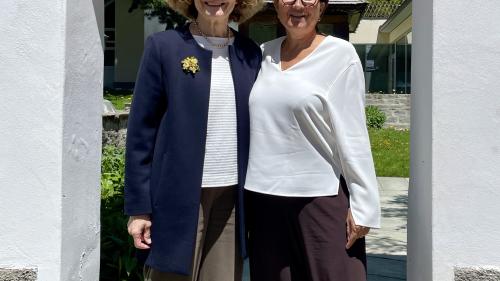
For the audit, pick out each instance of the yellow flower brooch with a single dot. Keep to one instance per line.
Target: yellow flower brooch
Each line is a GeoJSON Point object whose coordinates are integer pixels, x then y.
{"type": "Point", "coordinates": [190, 65]}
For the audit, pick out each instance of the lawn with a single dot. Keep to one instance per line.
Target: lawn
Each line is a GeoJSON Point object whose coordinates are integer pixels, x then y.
{"type": "Point", "coordinates": [390, 147]}
{"type": "Point", "coordinates": [118, 98]}
{"type": "Point", "coordinates": [391, 152]}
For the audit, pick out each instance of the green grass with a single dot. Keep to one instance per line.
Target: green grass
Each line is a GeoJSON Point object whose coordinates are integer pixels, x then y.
{"type": "Point", "coordinates": [390, 147]}
{"type": "Point", "coordinates": [391, 152]}
{"type": "Point", "coordinates": [118, 97]}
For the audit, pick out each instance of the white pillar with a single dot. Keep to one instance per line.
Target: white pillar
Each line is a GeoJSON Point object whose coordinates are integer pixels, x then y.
{"type": "Point", "coordinates": [50, 122]}
{"type": "Point", "coordinates": [453, 224]}
{"type": "Point", "coordinates": [99, 16]}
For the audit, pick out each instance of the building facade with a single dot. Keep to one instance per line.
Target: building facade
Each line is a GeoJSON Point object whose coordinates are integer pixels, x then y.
{"type": "Point", "coordinates": [126, 30]}
{"type": "Point", "coordinates": [383, 42]}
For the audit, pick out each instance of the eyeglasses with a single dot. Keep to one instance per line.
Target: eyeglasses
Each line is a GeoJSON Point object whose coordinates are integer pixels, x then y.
{"type": "Point", "coordinates": [305, 3]}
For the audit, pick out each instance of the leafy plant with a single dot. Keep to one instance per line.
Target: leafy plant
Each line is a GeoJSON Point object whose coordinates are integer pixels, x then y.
{"type": "Point", "coordinates": [386, 1]}
{"type": "Point", "coordinates": [159, 8]}
{"type": "Point", "coordinates": [375, 118]}
{"type": "Point", "coordinates": [118, 260]}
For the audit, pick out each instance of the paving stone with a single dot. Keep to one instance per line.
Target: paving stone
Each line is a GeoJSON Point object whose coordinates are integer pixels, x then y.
{"type": "Point", "coordinates": [386, 247]}
{"type": "Point", "coordinates": [389, 183]}
{"type": "Point", "coordinates": [28, 274]}
{"type": "Point", "coordinates": [477, 274]}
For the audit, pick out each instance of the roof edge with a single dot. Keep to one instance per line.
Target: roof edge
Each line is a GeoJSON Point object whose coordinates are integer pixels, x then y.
{"type": "Point", "coordinates": [401, 13]}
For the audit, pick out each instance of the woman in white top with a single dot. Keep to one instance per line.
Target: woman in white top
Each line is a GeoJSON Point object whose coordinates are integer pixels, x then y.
{"type": "Point", "coordinates": [311, 185]}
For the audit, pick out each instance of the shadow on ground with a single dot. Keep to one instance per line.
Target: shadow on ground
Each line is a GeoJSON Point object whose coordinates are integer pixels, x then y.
{"type": "Point", "coordinates": [386, 267]}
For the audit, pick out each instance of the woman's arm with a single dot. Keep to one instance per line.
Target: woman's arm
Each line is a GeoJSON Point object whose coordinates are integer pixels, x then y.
{"type": "Point", "coordinates": [347, 96]}
{"type": "Point", "coordinates": [148, 106]}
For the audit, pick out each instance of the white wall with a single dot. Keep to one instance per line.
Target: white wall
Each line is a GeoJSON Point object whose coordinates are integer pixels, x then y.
{"type": "Point", "coordinates": [32, 72]}
{"type": "Point", "coordinates": [420, 193]}
{"type": "Point", "coordinates": [99, 18]}
{"type": "Point", "coordinates": [367, 32]}
{"type": "Point", "coordinates": [81, 147]}
{"type": "Point", "coordinates": [454, 193]}
{"type": "Point", "coordinates": [49, 186]}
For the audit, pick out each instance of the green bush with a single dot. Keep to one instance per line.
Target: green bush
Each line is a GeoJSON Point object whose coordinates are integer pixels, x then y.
{"type": "Point", "coordinates": [118, 262]}
{"type": "Point", "coordinates": [375, 118]}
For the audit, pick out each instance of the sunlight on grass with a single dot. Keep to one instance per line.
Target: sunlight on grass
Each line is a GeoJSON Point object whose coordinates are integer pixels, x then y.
{"type": "Point", "coordinates": [118, 98]}
{"type": "Point", "coordinates": [391, 152]}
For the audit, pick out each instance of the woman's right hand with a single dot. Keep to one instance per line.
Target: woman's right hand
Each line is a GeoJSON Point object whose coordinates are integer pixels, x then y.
{"type": "Point", "coordinates": [354, 232]}
{"type": "Point", "coordinates": [139, 227]}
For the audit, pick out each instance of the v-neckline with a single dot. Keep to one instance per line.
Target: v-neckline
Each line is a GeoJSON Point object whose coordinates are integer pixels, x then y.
{"type": "Point", "coordinates": [300, 61]}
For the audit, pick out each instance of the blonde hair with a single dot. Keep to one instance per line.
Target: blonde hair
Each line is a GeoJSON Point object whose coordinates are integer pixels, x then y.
{"type": "Point", "coordinates": [243, 10]}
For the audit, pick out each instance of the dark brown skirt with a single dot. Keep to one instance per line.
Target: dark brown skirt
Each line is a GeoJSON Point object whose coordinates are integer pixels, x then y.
{"type": "Point", "coordinates": [302, 239]}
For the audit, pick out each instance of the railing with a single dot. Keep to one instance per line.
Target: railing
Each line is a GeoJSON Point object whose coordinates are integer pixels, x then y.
{"type": "Point", "coordinates": [380, 10]}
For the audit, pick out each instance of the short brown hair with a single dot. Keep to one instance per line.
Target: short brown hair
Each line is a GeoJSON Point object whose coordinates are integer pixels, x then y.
{"type": "Point", "coordinates": [243, 10]}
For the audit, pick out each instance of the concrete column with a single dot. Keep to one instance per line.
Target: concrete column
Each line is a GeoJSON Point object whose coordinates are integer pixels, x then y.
{"type": "Point", "coordinates": [99, 16]}
{"type": "Point", "coordinates": [50, 119]}
{"type": "Point", "coordinates": [453, 226]}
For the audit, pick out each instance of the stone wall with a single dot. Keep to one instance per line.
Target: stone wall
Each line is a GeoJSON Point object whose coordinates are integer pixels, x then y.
{"type": "Point", "coordinates": [477, 273]}
{"type": "Point", "coordinates": [114, 129]}
{"type": "Point", "coordinates": [396, 107]}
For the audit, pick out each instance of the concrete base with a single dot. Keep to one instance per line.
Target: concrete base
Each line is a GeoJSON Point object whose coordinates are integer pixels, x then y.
{"type": "Point", "coordinates": [18, 274]}
{"type": "Point", "coordinates": [477, 274]}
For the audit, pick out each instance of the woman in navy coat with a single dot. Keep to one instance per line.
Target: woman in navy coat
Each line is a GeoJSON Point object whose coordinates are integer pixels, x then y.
{"type": "Point", "coordinates": [187, 144]}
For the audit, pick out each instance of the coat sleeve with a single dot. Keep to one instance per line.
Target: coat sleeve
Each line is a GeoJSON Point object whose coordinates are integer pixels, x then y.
{"type": "Point", "coordinates": [347, 100]}
{"type": "Point", "coordinates": [148, 107]}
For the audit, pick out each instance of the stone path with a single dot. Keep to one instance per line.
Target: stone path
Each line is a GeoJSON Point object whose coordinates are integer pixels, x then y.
{"type": "Point", "coordinates": [386, 247]}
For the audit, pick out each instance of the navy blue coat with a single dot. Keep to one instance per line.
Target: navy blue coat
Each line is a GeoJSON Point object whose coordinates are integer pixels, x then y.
{"type": "Point", "coordinates": [166, 141]}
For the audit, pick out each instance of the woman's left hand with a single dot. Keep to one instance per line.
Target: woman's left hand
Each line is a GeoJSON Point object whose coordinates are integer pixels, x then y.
{"type": "Point", "coordinates": [354, 231]}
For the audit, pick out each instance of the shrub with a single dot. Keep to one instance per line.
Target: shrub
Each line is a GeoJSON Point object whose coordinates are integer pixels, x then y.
{"type": "Point", "coordinates": [118, 260]}
{"type": "Point", "coordinates": [375, 118]}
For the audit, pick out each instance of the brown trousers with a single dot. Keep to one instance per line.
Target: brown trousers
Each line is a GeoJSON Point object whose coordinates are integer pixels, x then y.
{"type": "Point", "coordinates": [216, 255]}
{"type": "Point", "coordinates": [302, 239]}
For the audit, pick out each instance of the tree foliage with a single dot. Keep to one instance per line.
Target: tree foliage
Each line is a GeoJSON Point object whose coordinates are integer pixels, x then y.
{"type": "Point", "coordinates": [159, 8]}
{"type": "Point", "coordinates": [386, 1]}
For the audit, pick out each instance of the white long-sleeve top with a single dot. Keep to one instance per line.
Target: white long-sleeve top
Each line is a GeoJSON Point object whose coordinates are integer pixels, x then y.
{"type": "Point", "coordinates": [307, 128]}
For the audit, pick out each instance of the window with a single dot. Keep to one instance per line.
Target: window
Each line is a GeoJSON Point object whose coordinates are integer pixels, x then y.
{"type": "Point", "coordinates": [387, 67]}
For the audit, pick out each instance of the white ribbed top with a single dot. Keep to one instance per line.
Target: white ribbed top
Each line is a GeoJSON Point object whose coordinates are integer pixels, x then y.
{"type": "Point", "coordinates": [220, 167]}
